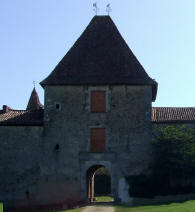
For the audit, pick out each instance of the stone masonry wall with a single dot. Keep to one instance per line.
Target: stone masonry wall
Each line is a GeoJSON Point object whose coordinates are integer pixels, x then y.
{"type": "Point", "coordinates": [20, 155]}
{"type": "Point", "coordinates": [48, 165]}
{"type": "Point", "coordinates": [128, 132]}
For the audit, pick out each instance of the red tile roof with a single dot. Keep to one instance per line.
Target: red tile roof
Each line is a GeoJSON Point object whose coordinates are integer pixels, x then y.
{"type": "Point", "coordinates": [21, 118]}
{"type": "Point", "coordinates": [173, 114]}
{"type": "Point", "coordinates": [35, 117]}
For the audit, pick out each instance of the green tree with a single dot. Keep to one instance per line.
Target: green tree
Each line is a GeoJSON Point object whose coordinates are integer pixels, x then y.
{"type": "Point", "coordinates": [174, 148]}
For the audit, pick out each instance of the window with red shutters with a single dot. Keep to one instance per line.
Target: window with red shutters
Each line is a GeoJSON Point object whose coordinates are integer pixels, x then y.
{"type": "Point", "coordinates": [98, 139]}
{"type": "Point", "coordinates": [98, 101]}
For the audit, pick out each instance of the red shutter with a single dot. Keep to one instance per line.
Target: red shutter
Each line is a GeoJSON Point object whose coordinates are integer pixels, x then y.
{"type": "Point", "coordinates": [98, 139]}
{"type": "Point", "coordinates": [98, 101]}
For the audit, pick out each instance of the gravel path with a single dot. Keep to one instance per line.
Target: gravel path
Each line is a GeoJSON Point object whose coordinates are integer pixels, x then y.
{"type": "Point", "coordinates": [98, 209]}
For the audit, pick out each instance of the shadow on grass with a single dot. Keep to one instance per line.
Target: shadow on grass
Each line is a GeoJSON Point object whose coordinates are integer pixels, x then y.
{"type": "Point", "coordinates": [164, 204]}
{"type": "Point", "coordinates": [188, 204]}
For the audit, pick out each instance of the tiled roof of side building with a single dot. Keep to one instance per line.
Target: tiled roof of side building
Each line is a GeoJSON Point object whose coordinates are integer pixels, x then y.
{"type": "Point", "coordinates": [35, 117]}
{"type": "Point", "coordinates": [21, 118]}
{"type": "Point", "coordinates": [173, 114]}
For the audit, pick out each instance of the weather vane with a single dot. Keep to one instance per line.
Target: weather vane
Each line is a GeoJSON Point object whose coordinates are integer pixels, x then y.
{"type": "Point", "coordinates": [95, 8]}
{"type": "Point", "coordinates": [108, 9]}
{"type": "Point", "coordinates": [34, 83]}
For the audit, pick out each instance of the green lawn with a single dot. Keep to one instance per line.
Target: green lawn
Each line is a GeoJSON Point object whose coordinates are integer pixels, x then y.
{"type": "Point", "coordinates": [1, 207]}
{"type": "Point", "coordinates": [104, 199]}
{"type": "Point", "coordinates": [75, 210]}
{"type": "Point", "coordinates": [188, 206]}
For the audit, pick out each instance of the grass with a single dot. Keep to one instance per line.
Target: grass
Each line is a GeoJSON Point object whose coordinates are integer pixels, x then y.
{"type": "Point", "coordinates": [188, 206]}
{"type": "Point", "coordinates": [104, 199]}
{"type": "Point", "coordinates": [1, 207]}
{"type": "Point", "coordinates": [75, 210]}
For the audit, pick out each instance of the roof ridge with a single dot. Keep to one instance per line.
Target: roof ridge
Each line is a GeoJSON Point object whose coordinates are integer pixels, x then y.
{"type": "Point", "coordinates": [15, 110]}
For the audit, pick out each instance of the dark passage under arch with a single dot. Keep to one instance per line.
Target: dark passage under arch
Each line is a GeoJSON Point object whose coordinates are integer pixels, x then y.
{"type": "Point", "coordinates": [98, 182]}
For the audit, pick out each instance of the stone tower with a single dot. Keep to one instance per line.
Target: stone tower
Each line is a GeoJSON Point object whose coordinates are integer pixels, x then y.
{"type": "Point", "coordinates": [98, 112]}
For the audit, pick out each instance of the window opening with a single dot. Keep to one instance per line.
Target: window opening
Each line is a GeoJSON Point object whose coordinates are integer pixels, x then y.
{"type": "Point", "coordinates": [58, 106]}
{"type": "Point", "coordinates": [98, 101]}
{"type": "Point", "coordinates": [98, 139]}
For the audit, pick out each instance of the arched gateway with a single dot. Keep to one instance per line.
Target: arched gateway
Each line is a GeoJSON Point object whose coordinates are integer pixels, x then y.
{"type": "Point", "coordinates": [92, 184]}
{"type": "Point", "coordinates": [91, 168]}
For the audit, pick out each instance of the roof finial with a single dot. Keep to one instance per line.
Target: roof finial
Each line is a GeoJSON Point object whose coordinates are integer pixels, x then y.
{"type": "Point", "coordinates": [108, 9]}
{"type": "Point", "coordinates": [34, 83]}
{"type": "Point", "coordinates": [95, 8]}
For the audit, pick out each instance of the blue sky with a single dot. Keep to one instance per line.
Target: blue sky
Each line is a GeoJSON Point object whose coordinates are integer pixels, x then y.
{"type": "Point", "coordinates": [36, 34]}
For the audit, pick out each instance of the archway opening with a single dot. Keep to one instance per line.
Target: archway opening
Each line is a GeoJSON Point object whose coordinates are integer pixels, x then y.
{"type": "Point", "coordinates": [99, 184]}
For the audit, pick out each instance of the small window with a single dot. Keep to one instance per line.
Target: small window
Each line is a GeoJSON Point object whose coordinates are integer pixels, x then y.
{"type": "Point", "coordinates": [98, 139]}
{"type": "Point", "coordinates": [58, 106]}
{"type": "Point", "coordinates": [27, 194]}
{"type": "Point", "coordinates": [98, 101]}
{"type": "Point", "coordinates": [57, 147]}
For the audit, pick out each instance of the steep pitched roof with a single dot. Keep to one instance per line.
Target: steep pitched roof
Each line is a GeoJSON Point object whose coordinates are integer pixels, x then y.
{"type": "Point", "coordinates": [173, 114]}
{"type": "Point", "coordinates": [21, 118]}
{"type": "Point", "coordinates": [34, 102]}
{"type": "Point", "coordinates": [100, 56]}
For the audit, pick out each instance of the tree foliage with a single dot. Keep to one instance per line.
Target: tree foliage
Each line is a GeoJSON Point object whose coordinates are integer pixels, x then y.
{"type": "Point", "coordinates": [174, 148]}
{"type": "Point", "coordinates": [173, 166]}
